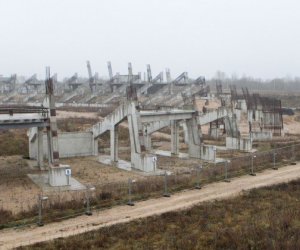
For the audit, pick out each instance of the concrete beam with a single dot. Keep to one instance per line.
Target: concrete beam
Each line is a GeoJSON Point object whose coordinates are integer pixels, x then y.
{"type": "Point", "coordinates": [213, 115]}
{"type": "Point", "coordinates": [155, 126]}
{"type": "Point", "coordinates": [156, 116]}
{"type": "Point", "coordinates": [117, 116]}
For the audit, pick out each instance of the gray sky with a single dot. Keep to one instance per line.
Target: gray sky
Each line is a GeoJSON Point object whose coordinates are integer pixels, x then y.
{"type": "Point", "coordinates": [260, 38]}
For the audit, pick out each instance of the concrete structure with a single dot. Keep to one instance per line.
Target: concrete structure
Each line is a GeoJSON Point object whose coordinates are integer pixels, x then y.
{"type": "Point", "coordinates": [143, 123]}
{"type": "Point", "coordinates": [71, 144]}
{"type": "Point", "coordinates": [26, 117]}
{"type": "Point", "coordinates": [261, 135]}
{"type": "Point", "coordinates": [242, 144]}
{"type": "Point", "coordinates": [176, 109]}
{"type": "Point", "coordinates": [58, 174]}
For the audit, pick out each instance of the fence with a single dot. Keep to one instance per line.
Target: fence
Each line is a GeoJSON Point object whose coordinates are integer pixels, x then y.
{"type": "Point", "coordinates": [63, 205]}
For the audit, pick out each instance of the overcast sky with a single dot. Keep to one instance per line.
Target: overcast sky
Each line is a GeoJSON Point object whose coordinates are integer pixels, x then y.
{"type": "Point", "coordinates": [260, 38]}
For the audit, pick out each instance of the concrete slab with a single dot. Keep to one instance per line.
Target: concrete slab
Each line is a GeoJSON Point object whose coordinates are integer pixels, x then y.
{"type": "Point", "coordinates": [219, 160]}
{"type": "Point", "coordinates": [168, 153]}
{"type": "Point", "coordinates": [126, 165]}
{"type": "Point", "coordinates": [42, 180]}
{"type": "Point", "coordinates": [32, 164]}
{"type": "Point", "coordinates": [158, 172]}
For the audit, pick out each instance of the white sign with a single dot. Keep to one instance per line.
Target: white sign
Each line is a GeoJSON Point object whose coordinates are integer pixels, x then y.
{"type": "Point", "coordinates": [68, 172]}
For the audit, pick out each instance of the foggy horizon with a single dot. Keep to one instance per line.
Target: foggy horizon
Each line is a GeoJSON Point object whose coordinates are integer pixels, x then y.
{"type": "Point", "coordinates": [254, 38]}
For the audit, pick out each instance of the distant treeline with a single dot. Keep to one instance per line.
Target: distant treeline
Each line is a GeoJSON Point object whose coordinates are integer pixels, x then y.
{"type": "Point", "coordinates": [277, 84]}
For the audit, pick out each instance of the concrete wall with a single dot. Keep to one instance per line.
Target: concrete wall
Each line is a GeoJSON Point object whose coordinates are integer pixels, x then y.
{"type": "Point", "coordinates": [215, 133]}
{"type": "Point", "coordinates": [208, 153]}
{"type": "Point", "coordinates": [144, 162]}
{"type": "Point", "coordinates": [243, 144]}
{"type": "Point", "coordinates": [261, 135]}
{"type": "Point", "coordinates": [232, 143]}
{"type": "Point", "coordinates": [69, 144]}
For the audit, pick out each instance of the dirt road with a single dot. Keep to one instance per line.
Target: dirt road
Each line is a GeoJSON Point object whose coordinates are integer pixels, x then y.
{"type": "Point", "coordinates": [16, 237]}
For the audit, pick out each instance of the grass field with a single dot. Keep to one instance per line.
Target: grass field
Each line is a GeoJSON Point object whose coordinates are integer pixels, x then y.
{"type": "Point", "coordinates": [266, 218]}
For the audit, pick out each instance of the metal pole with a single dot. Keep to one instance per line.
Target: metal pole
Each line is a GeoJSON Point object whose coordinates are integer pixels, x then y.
{"type": "Point", "coordinates": [40, 220]}
{"type": "Point", "coordinates": [226, 172]}
{"type": "Point", "coordinates": [129, 203]}
{"type": "Point", "coordinates": [166, 193]}
{"type": "Point", "coordinates": [88, 206]}
{"type": "Point", "coordinates": [252, 170]}
{"type": "Point", "coordinates": [293, 155]}
{"type": "Point", "coordinates": [198, 178]}
{"type": "Point", "coordinates": [274, 161]}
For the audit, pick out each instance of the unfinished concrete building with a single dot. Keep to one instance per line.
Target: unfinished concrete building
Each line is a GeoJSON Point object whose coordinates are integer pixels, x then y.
{"type": "Point", "coordinates": [149, 105]}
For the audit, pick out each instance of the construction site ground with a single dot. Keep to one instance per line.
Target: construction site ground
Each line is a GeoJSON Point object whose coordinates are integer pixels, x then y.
{"type": "Point", "coordinates": [18, 192]}
{"type": "Point", "coordinates": [11, 238]}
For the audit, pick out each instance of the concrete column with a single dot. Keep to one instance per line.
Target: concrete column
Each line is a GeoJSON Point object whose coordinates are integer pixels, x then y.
{"type": "Point", "coordinates": [174, 138]}
{"type": "Point", "coordinates": [147, 140]}
{"type": "Point", "coordinates": [95, 147]}
{"type": "Point", "coordinates": [185, 132]}
{"type": "Point", "coordinates": [50, 155]}
{"type": "Point", "coordinates": [194, 138]}
{"type": "Point", "coordinates": [40, 149]}
{"type": "Point", "coordinates": [114, 139]}
{"type": "Point", "coordinates": [144, 162]}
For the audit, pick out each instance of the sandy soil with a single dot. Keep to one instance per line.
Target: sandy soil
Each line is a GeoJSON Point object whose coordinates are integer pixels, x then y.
{"type": "Point", "coordinates": [25, 236]}
{"type": "Point", "coordinates": [291, 124]}
{"type": "Point", "coordinates": [88, 170]}
{"type": "Point", "coordinates": [212, 104]}
{"type": "Point", "coordinates": [18, 193]}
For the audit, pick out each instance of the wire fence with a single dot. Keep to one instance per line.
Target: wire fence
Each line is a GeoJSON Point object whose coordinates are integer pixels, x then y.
{"type": "Point", "coordinates": [64, 205]}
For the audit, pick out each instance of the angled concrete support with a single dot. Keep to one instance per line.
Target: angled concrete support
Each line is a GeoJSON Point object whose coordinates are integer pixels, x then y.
{"type": "Point", "coordinates": [139, 160]}
{"type": "Point", "coordinates": [114, 141]}
{"type": "Point", "coordinates": [174, 138]}
{"type": "Point", "coordinates": [194, 138]}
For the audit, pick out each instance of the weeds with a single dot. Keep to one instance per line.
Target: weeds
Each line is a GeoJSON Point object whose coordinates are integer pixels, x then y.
{"type": "Point", "coordinates": [265, 218]}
